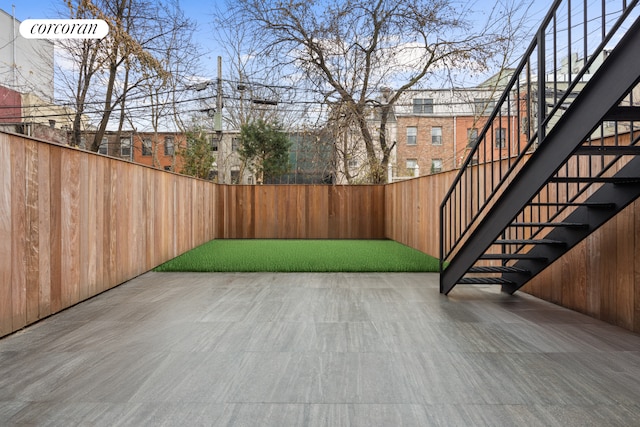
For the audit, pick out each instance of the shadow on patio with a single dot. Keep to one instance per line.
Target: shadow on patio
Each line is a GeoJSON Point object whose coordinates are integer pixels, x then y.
{"type": "Point", "coordinates": [317, 349]}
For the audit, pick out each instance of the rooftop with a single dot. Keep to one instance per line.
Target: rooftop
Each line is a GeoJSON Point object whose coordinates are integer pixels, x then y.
{"type": "Point", "coordinates": [317, 349]}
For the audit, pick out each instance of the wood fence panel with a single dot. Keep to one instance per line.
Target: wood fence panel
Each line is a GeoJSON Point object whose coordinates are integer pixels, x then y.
{"type": "Point", "coordinates": [412, 211]}
{"type": "Point", "coordinates": [44, 231]}
{"type": "Point", "coordinates": [316, 207]}
{"type": "Point", "coordinates": [69, 228]}
{"type": "Point", "coordinates": [87, 199]}
{"type": "Point", "coordinates": [18, 229]}
{"type": "Point", "coordinates": [300, 212]}
{"type": "Point", "coordinates": [73, 224]}
{"type": "Point", "coordinates": [6, 240]}
{"type": "Point", "coordinates": [55, 213]}
{"type": "Point", "coordinates": [32, 237]}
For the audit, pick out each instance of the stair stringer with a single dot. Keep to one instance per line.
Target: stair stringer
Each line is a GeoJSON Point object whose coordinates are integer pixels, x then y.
{"type": "Point", "coordinates": [604, 91]}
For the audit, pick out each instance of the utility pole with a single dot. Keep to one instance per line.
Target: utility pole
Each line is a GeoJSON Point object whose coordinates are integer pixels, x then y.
{"type": "Point", "coordinates": [217, 120]}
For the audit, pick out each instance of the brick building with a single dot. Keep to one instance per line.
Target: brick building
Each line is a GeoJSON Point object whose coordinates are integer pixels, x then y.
{"type": "Point", "coordinates": [435, 129]}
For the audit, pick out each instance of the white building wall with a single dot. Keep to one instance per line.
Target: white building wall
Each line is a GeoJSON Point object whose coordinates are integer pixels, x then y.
{"type": "Point", "coordinates": [26, 65]}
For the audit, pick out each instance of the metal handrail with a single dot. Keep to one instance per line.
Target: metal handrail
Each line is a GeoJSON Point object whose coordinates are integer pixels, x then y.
{"type": "Point", "coordinates": [459, 229]}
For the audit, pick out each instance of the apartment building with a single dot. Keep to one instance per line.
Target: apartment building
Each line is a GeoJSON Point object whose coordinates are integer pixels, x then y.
{"type": "Point", "coordinates": [436, 128]}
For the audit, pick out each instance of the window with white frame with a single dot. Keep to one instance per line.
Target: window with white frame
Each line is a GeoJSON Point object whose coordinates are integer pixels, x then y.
{"type": "Point", "coordinates": [436, 165]}
{"type": "Point", "coordinates": [104, 146]}
{"type": "Point", "coordinates": [436, 135]}
{"type": "Point", "coordinates": [412, 166]}
{"type": "Point", "coordinates": [147, 147]}
{"type": "Point", "coordinates": [472, 136]}
{"type": "Point", "coordinates": [412, 135]}
{"type": "Point", "coordinates": [484, 106]}
{"type": "Point", "coordinates": [125, 147]}
{"type": "Point", "coordinates": [169, 146]}
{"type": "Point", "coordinates": [423, 106]}
{"type": "Point", "coordinates": [500, 137]}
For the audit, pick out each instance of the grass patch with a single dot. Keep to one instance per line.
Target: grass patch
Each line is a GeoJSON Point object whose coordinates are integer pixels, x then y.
{"type": "Point", "coordinates": [302, 256]}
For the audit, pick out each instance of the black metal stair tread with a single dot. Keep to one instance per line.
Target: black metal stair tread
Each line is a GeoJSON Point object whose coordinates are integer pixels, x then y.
{"type": "Point", "coordinates": [608, 150]}
{"type": "Point", "coordinates": [549, 224]}
{"type": "Point", "coordinates": [577, 204]}
{"type": "Point", "coordinates": [484, 281]}
{"type": "Point", "coordinates": [512, 256]}
{"type": "Point", "coordinates": [498, 269]}
{"type": "Point", "coordinates": [595, 180]}
{"type": "Point", "coordinates": [529, 242]}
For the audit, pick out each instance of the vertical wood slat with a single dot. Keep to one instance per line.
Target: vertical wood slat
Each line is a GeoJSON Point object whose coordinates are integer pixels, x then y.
{"type": "Point", "coordinates": [73, 224]}
{"type": "Point", "coordinates": [6, 242]}
{"type": "Point", "coordinates": [18, 231]}
{"type": "Point", "coordinates": [44, 231]}
{"type": "Point", "coordinates": [32, 233]}
{"type": "Point", "coordinates": [69, 219]}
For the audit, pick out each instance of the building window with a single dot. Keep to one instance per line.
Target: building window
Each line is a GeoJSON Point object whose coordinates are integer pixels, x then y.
{"type": "Point", "coordinates": [472, 137]}
{"type": "Point", "coordinates": [412, 167]}
{"type": "Point", "coordinates": [436, 165]}
{"type": "Point", "coordinates": [353, 164]}
{"type": "Point", "coordinates": [125, 147]}
{"type": "Point", "coordinates": [235, 143]}
{"type": "Point", "coordinates": [423, 106]}
{"type": "Point", "coordinates": [214, 143]}
{"type": "Point", "coordinates": [169, 148]}
{"type": "Point", "coordinates": [500, 137]}
{"type": "Point", "coordinates": [167, 168]}
{"type": "Point", "coordinates": [436, 135]}
{"type": "Point", "coordinates": [483, 106]}
{"type": "Point", "coordinates": [83, 143]}
{"type": "Point", "coordinates": [104, 146]}
{"type": "Point", "coordinates": [147, 147]}
{"type": "Point", "coordinates": [412, 135]}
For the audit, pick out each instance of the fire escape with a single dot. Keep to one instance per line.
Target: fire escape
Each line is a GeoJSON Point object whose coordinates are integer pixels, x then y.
{"type": "Point", "coordinates": [558, 157]}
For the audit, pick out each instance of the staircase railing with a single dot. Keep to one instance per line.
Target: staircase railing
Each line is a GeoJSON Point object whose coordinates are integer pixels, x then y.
{"type": "Point", "coordinates": [570, 45]}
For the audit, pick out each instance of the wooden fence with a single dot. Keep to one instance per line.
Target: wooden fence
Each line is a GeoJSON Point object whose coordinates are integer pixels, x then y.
{"type": "Point", "coordinates": [73, 224]}
{"type": "Point", "coordinates": [412, 211]}
{"type": "Point", "coordinates": [600, 277]}
{"type": "Point", "coordinates": [301, 212]}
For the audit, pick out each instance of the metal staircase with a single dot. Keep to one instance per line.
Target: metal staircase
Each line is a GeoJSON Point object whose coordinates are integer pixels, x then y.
{"type": "Point", "coordinates": [568, 156]}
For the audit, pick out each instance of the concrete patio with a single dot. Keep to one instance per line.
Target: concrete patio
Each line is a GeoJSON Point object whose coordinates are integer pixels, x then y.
{"type": "Point", "coordinates": [338, 349]}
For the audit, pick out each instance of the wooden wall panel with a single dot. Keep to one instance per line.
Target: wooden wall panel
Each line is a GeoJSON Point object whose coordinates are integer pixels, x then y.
{"type": "Point", "coordinates": [73, 224]}
{"type": "Point", "coordinates": [55, 221]}
{"type": "Point", "coordinates": [18, 232]}
{"type": "Point", "coordinates": [412, 211]}
{"type": "Point", "coordinates": [600, 276]}
{"type": "Point", "coordinates": [32, 232]}
{"type": "Point", "coordinates": [44, 231]}
{"type": "Point", "coordinates": [300, 212]}
{"type": "Point", "coordinates": [6, 241]}
{"type": "Point", "coordinates": [69, 231]}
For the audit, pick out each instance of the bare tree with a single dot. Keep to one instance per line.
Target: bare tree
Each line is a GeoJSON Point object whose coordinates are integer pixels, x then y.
{"type": "Point", "coordinates": [104, 73]}
{"type": "Point", "coordinates": [352, 48]}
{"type": "Point", "coordinates": [162, 96]}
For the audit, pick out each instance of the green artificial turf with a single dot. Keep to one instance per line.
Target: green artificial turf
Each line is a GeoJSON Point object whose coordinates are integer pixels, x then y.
{"type": "Point", "coordinates": [302, 256]}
